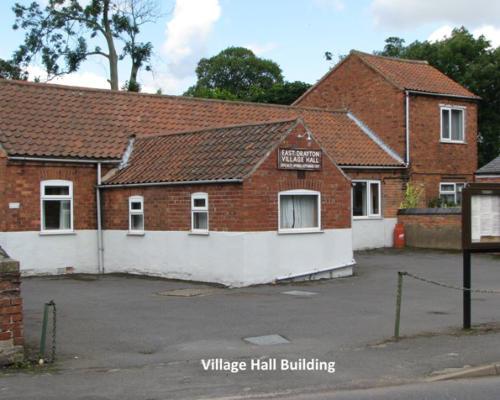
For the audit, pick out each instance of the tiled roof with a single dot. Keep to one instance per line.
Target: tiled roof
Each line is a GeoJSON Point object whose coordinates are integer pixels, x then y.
{"type": "Point", "coordinates": [493, 167]}
{"type": "Point", "coordinates": [215, 154]}
{"type": "Point", "coordinates": [415, 75]}
{"type": "Point", "coordinates": [44, 120]}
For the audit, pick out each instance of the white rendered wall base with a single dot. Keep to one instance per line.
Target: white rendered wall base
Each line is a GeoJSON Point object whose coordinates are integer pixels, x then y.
{"type": "Point", "coordinates": [51, 254]}
{"type": "Point", "coordinates": [373, 233]}
{"type": "Point", "coordinates": [230, 258]}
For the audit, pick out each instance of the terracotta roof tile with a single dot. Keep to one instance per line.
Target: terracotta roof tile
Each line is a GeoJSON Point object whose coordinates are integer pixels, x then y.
{"type": "Point", "coordinates": [415, 75]}
{"type": "Point", "coordinates": [44, 120]}
{"type": "Point", "coordinates": [214, 154]}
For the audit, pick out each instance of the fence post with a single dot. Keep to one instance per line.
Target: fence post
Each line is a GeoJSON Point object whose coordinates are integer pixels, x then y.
{"type": "Point", "coordinates": [398, 304]}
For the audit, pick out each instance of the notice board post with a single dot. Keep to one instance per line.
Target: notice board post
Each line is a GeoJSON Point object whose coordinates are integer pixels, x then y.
{"type": "Point", "coordinates": [480, 232]}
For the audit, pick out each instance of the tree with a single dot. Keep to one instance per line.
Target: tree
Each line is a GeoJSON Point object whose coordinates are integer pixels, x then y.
{"type": "Point", "coordinates": [236, 73]}
{"type": "Point", "coordinates": [61, 31]}
{"type": "Point", "coordinates": [473, 63]}
{"type": "Point", "coordinates": [10, 70]}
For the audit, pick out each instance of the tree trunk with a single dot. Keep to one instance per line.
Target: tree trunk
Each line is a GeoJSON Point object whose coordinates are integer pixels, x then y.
{"type": "Point", "coordinates": [113, 57]}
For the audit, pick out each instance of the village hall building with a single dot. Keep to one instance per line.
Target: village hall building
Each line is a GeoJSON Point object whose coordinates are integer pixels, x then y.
{"type": "Point", "coordinates": [230, 192]}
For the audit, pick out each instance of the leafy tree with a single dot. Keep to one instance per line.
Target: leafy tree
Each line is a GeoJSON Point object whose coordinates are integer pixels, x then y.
{"type": "Point", "coordinates": [471, 62]}
{"type": "Point", "coordinates": [10, 70]}
{"type": "Point", "coordinates": [236, 73]}
{"type": "Point", "coordinates": [61, 32]}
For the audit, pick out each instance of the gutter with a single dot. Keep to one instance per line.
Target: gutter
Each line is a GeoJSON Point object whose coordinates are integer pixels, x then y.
{"type": "Point", "coordinates": [64, 160]}
{"type": "Point", "coordinates": [100, 241]}
{"type": "Point", "coordinates": [372, 167]}
{"type": "Point", "coordinates": [202, 182]}
{"type": "Point", "coordinates": [407, 126]}
{"type": "Point", "coordinates": [475, 98]}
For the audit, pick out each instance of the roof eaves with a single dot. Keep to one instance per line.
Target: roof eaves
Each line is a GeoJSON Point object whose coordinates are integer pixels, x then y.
{"type": "Point", "coordinates": [373, 136]}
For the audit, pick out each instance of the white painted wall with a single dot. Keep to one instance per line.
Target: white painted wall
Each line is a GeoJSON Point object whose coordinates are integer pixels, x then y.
{"type": "Point", "coordinates": [230, 258]}
{"type": "Point", "coordinates": [373, 233]}
{"type": "Point", "coordinates": [45, 254]}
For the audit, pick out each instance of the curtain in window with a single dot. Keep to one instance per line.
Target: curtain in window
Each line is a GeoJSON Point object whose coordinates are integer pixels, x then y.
{"type": "Point", "coordinates": [456, 125]}
{"type": "Point", "coordinates": [445, 124]}
{"type": "Point", "coordinates": [299, 211]}
{"type": "Point", "coordinates": [65, 215]}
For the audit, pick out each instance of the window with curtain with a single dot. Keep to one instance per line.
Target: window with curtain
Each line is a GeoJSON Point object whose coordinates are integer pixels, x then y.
{"type": "Point", "coordinates": [366, 199]}
{"type": "Point", "coordinates": [299, 211]}
{"type": "Point", "coordinates": [56, 206]}
{"type": "Point", "coordinates": [136, 214]}
{"type": "Point", "coordinates": [452, 124]}
{"type": "Point", "coordinates": [199, 213]}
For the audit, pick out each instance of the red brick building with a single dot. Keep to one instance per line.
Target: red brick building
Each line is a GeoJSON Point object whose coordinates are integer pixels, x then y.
{"type": "Point", "coordinates": [114, 181]}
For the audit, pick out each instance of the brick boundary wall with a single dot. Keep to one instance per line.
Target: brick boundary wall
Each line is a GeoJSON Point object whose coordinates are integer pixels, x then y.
{"type": "Point", "coordinates": [11, 311]}
{"type": "Point", "coordinates": [432, 228]}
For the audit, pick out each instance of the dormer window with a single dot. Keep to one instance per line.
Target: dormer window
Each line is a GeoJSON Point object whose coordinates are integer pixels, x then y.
{"type": "Point", "coordinates": [452, 124]}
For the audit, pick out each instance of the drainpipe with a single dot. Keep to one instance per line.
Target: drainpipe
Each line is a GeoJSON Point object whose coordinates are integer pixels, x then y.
{"type": "Point", "coordinates": [100, 243]}
{"type": "Point", "coordinates": [407, 124]}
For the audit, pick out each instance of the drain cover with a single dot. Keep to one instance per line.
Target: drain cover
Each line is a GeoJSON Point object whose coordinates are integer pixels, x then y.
{"type": "Point", "coordinates": [301, 293]}
{"type": "Point", "coordinates": [266, 340]}
{"type": "Point", "coordinates": [189, 292]}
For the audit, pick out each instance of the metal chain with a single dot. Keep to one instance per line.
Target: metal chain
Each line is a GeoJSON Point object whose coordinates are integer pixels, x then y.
{"type": "Point", "coordinates": [486, 291]}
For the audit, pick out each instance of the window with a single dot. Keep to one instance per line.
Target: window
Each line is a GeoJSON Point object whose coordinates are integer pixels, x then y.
{"type": "Point", "coordinates": [56, 205]}
{"type": "Point", "coordinates": [366, 199]}
{"type": "Point", "coordinates": [451, 193]}
{"type": "Point", "coordinates": [299, 211]}
{"type": "Point", "coordinates": [452, 125]}
{"type": "Point", "coordinates": [199, 213]}
{"type": "Point", "coordinates": [136, 214]}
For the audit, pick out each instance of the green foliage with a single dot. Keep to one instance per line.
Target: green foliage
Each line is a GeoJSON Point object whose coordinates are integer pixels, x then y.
{"type": "Point", "coordinates": [474, 64]}
{"type": "Point", "coordinates": [237, 74]}
{"type": "Point", "coordinates": [10, 70]}
{"type": "Point", "coordinates": [412, 196]}
{"type": "Point", "coordinates": [61, 34]}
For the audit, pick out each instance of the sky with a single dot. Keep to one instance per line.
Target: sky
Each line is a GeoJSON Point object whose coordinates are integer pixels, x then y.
{"type": "Point", "coordinates": [294, 33]}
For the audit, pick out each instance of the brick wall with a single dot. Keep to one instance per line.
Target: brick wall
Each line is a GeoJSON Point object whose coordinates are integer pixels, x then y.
{"type": "Point", "coordinates": [480, 179]}
{"type": "Point", "coordinates": [11, 313]}
{"type": "Point", "coordinates": [432, 161]}
{"type": "Point", "coordinates": [22, 185]}
{"type": "Point", "coordinates": [251, 206]}
{"type": "Point", "coordinates": [393, 185]}
{"type": "Point", "coordinates": [436, 230]}
{"type": "Point", "coordinates": [357, 87]}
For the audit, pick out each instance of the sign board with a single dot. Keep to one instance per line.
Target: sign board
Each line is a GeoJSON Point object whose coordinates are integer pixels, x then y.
{"type": "Point", "coordinates": [481, 216]}
{"type": "Point", "coordinates": [300, 159]}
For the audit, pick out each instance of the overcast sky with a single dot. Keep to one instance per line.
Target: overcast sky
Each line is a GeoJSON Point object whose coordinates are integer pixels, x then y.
{"type": "Point", "coordinates": [294, 33]}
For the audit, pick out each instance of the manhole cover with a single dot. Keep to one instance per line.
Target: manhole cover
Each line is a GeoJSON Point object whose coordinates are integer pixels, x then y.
{"type": "Point", "coordinates": [266, 340]}
{"type": "Point", "coordinates": [300, 293]}
{"type": "Point", "coordinates": [189, 292]}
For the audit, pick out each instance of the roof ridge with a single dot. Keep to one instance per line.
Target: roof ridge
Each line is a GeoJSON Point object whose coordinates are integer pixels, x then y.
{"type": "Point", "coordinates": [57, 86]}
{"type": "Point", "coordinates": [214, 128]}
{"type": "Point", "coordinates": [397, 59]}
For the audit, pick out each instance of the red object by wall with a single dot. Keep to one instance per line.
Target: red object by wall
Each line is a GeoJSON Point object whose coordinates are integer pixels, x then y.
{"type": "Point", "coordinates": [399, 236]}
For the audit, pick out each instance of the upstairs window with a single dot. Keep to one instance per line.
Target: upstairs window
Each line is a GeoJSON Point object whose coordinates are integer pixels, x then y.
{"type": "Point", "coordinates": [366, 199]}
{"type": "Point", "coordinates": [199, 213]}
{"type": "Point", "coordinates": [136, 214]}
{"type": "Point", "coordinates": [451, 193]}
{"type": "Point", "coordinates": [56, 205]}
{"type": "Point", "coordinates": [452, 125]}
{"type": "Point", "coordinates": [299, 211]}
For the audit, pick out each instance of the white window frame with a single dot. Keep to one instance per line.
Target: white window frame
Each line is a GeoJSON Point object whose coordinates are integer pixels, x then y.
{"type": "Point", "coordinates": [369, 212]}
{"type": "Point", "coordinates": [449, 192]}
{"type": "Point", "coordinates": [450, 108]}
{"type": "Point", "coordinates": [194, 209]}
{"type": "Point", "coordinates": [301, 192]}
{"type": "Point", "coordinates": [136, 199]}
{"type": "Point", "coordinates": [43, 197]}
